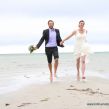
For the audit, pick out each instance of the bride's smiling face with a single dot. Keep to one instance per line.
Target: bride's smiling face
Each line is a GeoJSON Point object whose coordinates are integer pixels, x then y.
{"type": "Point", "coordinates": [81, 24]}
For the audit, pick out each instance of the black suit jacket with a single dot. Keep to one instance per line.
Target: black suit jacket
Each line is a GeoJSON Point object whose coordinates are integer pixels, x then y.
{"type": "Point", "coordinates": [45, 37]}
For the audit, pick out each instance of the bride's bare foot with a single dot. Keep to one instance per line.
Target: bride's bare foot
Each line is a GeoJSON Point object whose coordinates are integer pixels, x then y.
{"type": "Point", "coordinates": [83, 77]}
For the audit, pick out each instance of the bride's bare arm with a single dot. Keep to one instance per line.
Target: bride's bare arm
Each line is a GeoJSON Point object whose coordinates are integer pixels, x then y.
{"type": "Point", "coordinates": [69, 36]}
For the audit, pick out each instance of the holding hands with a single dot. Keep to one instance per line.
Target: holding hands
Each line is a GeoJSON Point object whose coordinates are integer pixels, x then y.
{"type": "Point", "coordinates": [61, 43]}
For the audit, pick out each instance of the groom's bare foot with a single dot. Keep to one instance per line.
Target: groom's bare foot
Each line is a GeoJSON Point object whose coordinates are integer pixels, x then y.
{"type": "Point", "coordinates": [78, 77]}
{"type": "Point", "coordinates": [55, 75]}
{"type": "Point", "coordinates": [51, 79]}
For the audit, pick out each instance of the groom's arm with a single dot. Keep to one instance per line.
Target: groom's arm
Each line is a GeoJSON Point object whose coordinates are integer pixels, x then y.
{"type": "Point", "coordinates": [59, 39]}
{"type": "Point", "coordinates": [41, 40]}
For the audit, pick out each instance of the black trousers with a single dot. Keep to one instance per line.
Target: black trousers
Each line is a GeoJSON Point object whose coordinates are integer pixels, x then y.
{"type": "Point", "coordinates": [51, 51]}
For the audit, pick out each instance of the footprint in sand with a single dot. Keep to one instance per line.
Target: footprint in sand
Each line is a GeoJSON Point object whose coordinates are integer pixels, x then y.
{"type": "Point", "coordinates": [26, 76]}
{"type": "Point", "coordinates": [89, 90]}
{"type": "Point", "coordinates": [45, 99]}
{"type": "Point", "coordinates": [25, 104]}
{"type": "Point", "coordinates": [71, 86]}
{"type": "Point", "coordinates": [58, 96]}
{"type": "Point", "coordinates": [7, 104]}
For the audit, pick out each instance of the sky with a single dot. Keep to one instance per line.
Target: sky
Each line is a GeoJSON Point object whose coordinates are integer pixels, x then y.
{"type": "Point", "coordinates": [23, 21]}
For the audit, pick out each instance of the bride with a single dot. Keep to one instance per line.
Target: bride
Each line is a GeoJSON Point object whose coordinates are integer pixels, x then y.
{"type": "Point", "coordinates": [81, 48]}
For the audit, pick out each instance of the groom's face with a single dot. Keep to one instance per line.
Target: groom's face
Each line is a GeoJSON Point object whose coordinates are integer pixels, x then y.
{"type": "Point", "coordinates": [50, 24]}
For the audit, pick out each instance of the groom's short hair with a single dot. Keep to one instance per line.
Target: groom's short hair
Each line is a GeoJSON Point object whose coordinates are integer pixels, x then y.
{"type": "Point", "coordinates": [50, 21]}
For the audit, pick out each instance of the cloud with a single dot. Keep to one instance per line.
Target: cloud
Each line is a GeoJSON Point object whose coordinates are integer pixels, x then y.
{"type": "Point", "coordinates": [22, 21]}
{"type": "Point", "coordinates": [54, 8]}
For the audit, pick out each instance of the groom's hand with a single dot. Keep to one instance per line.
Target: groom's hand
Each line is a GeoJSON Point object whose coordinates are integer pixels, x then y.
{"type": "Point", "coordinates": [61, 43]}
{"type": "Point", "coordinates": [35, 48]}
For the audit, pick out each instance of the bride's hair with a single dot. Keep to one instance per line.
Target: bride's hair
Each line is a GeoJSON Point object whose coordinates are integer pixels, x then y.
{"type": "Point", "coordinates": [81, 21]}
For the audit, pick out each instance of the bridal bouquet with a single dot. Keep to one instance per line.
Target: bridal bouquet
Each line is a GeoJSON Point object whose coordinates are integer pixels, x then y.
{"type": "Point", "coordinates": [31, 48]}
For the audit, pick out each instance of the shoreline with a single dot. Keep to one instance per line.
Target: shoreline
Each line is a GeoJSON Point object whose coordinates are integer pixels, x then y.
{"type": "Point", "coordinates": [43, 53]}
{"type": "Point", "coordinates": [66, 94]}
{"type": "Point", "coordinates": [26, 80]}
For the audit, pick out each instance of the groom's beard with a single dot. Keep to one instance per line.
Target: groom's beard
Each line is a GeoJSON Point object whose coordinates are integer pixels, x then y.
{"type": "Point", "coordinates": [51, 27]}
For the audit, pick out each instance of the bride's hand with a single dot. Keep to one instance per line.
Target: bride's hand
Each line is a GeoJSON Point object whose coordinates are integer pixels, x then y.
{"type": "Point", "coordinates": [61, 43]}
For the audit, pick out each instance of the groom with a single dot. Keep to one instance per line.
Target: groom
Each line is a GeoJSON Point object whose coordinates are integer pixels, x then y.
{"type": "Point", "coordinates": [52, 40]}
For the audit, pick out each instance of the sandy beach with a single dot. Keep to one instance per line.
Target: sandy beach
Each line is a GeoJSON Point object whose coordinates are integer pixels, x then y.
{"type": "Point", "coordinates": [24, 84]}
{"type": "Point", "coordinates": [66, 94]}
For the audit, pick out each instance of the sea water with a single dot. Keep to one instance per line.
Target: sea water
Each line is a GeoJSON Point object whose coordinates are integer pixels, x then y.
{"type": "Point", "coordinates": [18, 70]}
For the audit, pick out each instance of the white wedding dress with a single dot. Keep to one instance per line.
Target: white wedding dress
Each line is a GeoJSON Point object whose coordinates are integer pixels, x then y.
{"type": "Point", "coordinates": [81, 47]}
